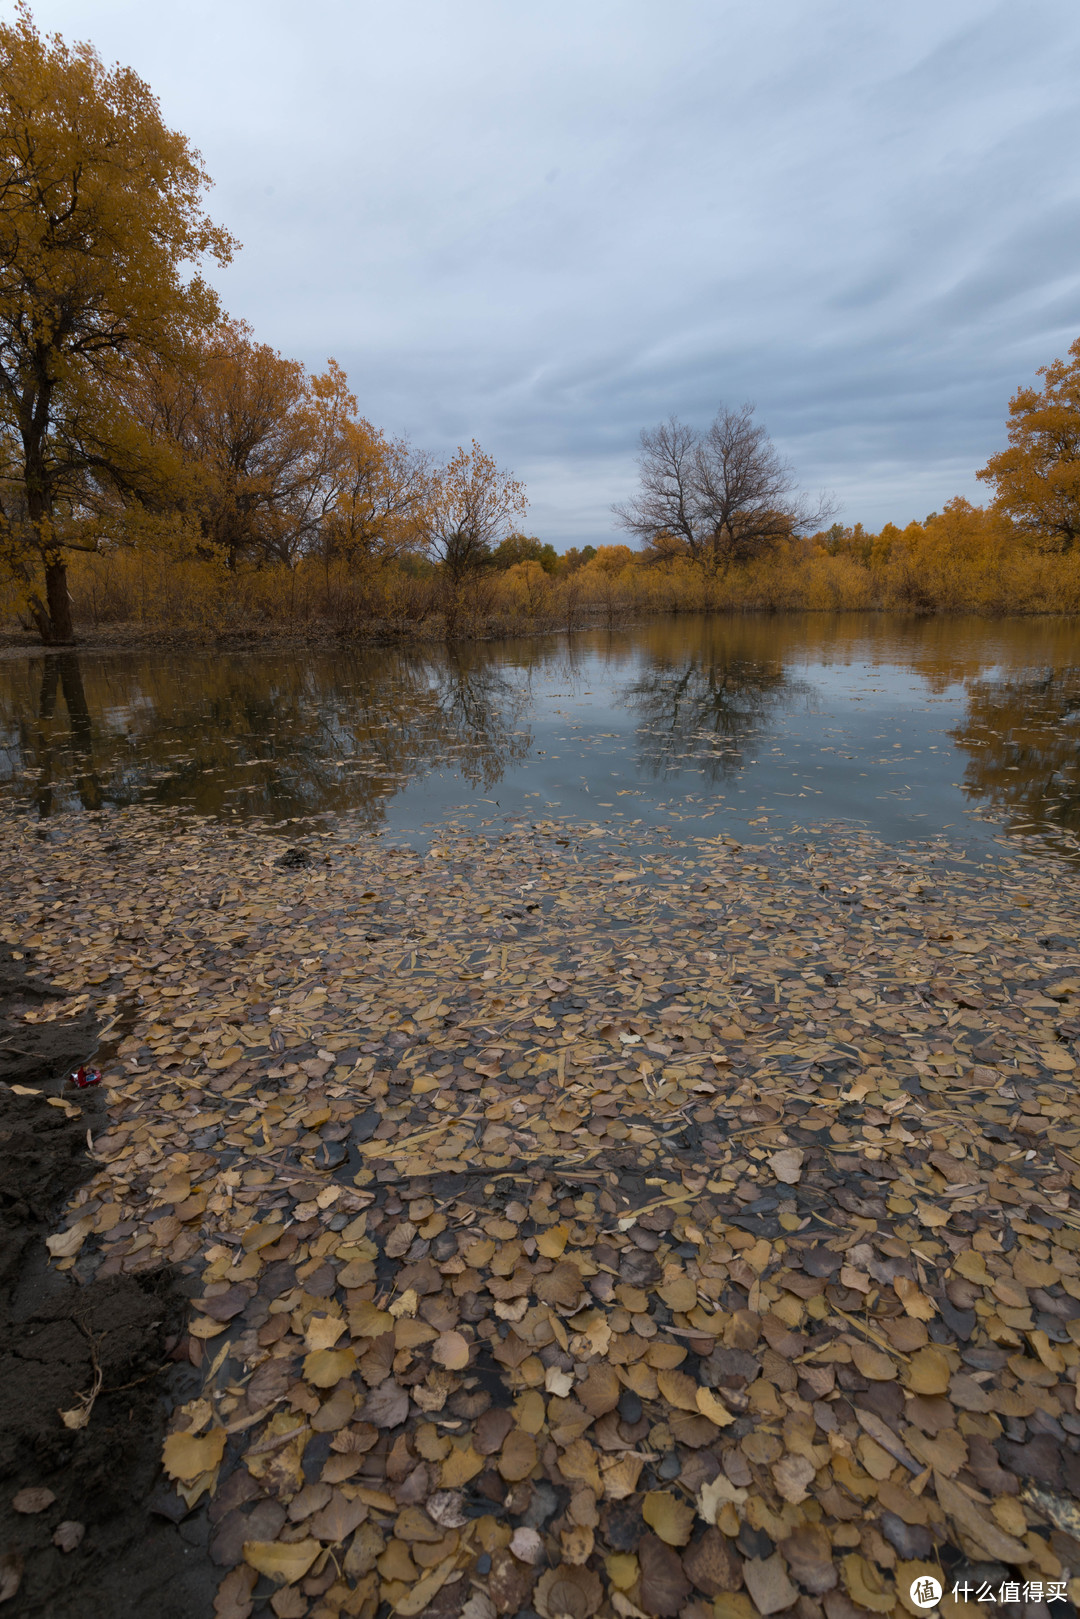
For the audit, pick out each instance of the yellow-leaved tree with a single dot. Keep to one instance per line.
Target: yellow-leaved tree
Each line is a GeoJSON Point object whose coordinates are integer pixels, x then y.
{"type": "Point", "coordinates": [100, 225]}
{"type": "Point", "coordinates": [1037, 479]}
{"type": "Point", "coordinates": [470, 507]}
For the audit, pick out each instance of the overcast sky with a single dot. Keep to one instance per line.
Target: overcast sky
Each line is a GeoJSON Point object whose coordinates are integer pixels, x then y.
{"type": "Point", "coordinates": [546, 226]}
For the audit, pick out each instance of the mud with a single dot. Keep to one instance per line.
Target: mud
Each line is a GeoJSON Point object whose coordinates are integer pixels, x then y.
{"type": "Point", "coordinates": [60, 1339]}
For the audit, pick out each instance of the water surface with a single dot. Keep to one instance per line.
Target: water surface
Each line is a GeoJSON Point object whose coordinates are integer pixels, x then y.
{"type": "Point", "coordinates": [909, 728]}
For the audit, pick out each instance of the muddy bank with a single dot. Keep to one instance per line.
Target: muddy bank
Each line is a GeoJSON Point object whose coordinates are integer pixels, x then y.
{"type": "Point", "coordinates": [78, 1536]}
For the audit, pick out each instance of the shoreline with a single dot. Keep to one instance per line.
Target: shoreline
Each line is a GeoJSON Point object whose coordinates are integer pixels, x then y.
{"type": "Point", "coordinates": [140, 638]}
{"type": "Point", "coordinates": [579, 1225]}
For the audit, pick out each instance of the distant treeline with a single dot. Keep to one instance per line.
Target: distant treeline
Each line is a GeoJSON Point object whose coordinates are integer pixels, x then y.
{"type": "Point", "coordinates": [963, 559]}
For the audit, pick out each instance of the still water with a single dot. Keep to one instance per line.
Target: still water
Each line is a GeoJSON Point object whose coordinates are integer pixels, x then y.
{"type": "Point", "coordinates": [908, 728]}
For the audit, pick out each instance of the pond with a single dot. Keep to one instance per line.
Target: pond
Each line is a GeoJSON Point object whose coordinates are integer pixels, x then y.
{"type": "Point", "coordinates": [905, 727]}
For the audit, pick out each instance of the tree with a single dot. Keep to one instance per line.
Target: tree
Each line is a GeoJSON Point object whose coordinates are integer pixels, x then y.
{"type": "Point", "coordinates": [526, 548]}
{"type": "Point", "coordinates": [1037, 479]}
{"type": "Point", "coordinates": [263, 444]}
{"type": "Point", "coordinates": [100, 222]}
{"type": "Point", "coordinates": [719, 497]}
{"type": "Point", "coordinates": [470, 508]}
{"type": "Point", "coordinates": [381, 489]}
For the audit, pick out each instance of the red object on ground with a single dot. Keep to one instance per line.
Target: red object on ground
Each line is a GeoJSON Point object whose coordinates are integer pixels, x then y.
{"type": "Point", "coordinates": [82, 1077]}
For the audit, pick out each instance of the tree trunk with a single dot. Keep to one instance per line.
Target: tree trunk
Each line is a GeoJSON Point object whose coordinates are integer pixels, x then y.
{"type": "Point", "coordinates": [61, 631]}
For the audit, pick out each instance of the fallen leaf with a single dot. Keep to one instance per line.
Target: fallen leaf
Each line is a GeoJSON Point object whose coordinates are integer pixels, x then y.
{"type": "Point", "coordinates": [767, 1582]}
{"type": "Point", "coordinates": [185, 1457]}
{"type": "Point", "coordinates": [33, 1498]}
{"type": "Point", "coordinates": [451, 1350]}
{"type": "Point", "coordinates": [663, 1584]}
{"type": "Point", "coordinates": [518, 1455]}
{"type": "Point", "coordinates": [279, 1560]}
{"type": "Point", "coordinates": [792, 1475]}
{"type": "Point", "coordinates": [671, 1518]}
{"type": "Point", "coordinates": [69, 1534]}
{"type": "Point", "coordinates": [787, 1164]}
{"type": "Point", "coordinates": [568, 1592]}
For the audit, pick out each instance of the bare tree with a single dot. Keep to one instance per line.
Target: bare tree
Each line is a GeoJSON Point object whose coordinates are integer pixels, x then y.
{"type": "Point", "coordinates": [719, 497]}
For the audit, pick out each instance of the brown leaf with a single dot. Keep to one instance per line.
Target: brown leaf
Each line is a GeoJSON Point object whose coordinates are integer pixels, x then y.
{"type": "Point", "coordinates": [767, 1582]}
{"type": "Point", "coordinates": [451, 1350]}
{"type": "Point", "coordinates": [526, 1545]}
{"type": "Point", "coordinates": [664, 1586]}
{"type": "Point", "coordinates": [184, 1456]}
{"type": "Point", "coordinates": [11, 1573]}
{"type": "Point", "coordinates": [518, 1455]}
{"type": "Point", "coordinates": [35, 1498]}
{"type": "Point", "coordinates": [337, 1520]}
{"type": "Point", "coordinates": [562, 1285]}
{"type": "Point", "coordinates": [386, 1406]}
{"type": "Point", "coordinates": [446, 1508]}
{"type": "Point", "coordinates": [568, 1592]}
{"type": "Point", "coordinates": [977, 1523]}
{"type": "Point", "coordinates": [233, 1599]}
{"type": "Point", "coordinates": [326, 1367]}
{"type": "Point", "coordinates": [808, 1554]}
{"type": "Point", "coordinates": [792, 1475]}
{"type": "Point", "coordinates": [713, 1563]}
{"type": "Point", "coordinates": [787, 1164]}
{"type": "Point", "coordinates": [284, 1561]}
{"type": "Point", "coordinates": [865, 1585]}
{"type": "Point", "coordinates": [69, 1534]}
{"type": "Point", "coordinates": [491, 1429]}
{"type": "Point", "coordinates": [510, 1581]}
{"type": "Point", "coordinates": [599, 1391]}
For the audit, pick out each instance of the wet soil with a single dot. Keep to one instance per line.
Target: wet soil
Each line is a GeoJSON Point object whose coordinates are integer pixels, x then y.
{"type": "Point", "coordinates": [58, 1339]}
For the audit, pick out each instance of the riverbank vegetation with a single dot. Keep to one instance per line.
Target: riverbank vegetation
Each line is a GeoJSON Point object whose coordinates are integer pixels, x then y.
{"type": "Point", "coordinates": [163, 471]}
{"type": "Point", "coordinates": [964, 559]}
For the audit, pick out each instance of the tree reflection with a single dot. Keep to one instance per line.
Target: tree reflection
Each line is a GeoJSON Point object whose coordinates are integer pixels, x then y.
{"type": "Point", "coordinates": [704, 698]}
{"type": "Point", "coordinates": [273, 737]}
{"type": "Point", "coordinates": [1022, 738]}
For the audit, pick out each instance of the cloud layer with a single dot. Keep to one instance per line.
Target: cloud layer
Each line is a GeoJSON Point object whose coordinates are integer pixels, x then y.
{"type": "Point", "coordinates": [547, 226]}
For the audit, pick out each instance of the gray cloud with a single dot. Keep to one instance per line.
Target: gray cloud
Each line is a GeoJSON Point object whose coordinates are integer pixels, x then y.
{"type": "Point", "coordinates": [548, 226]}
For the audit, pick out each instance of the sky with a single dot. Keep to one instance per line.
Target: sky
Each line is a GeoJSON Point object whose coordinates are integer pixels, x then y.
{"type": "Point", "coordinates": [547, 226]}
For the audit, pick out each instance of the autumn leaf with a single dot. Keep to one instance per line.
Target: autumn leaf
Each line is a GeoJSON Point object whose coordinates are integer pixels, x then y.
{"type": "Point", "coordinates": [670, 1518]}
{"type": "Point", "coordinates": [285, 1562]}
{"type": "Point", "coordinates": [185, 1457]}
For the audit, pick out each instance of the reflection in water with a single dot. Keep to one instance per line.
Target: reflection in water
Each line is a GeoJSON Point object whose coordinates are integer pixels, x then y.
{"type": "Point", "coordinates": [1022, 733]}
{"type": "Point", "coordinates": [273, 738]}
{"type": "Point", "coordinates": [856, 718]}
{"type": "Point", "coordinates": [703, 699]}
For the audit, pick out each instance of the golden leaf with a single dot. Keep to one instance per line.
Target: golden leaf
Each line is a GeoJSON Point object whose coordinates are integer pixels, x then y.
{"type": "Point", "coordinates": [325, 1367]}
{"type": "Point", "coordinates": [714, 1408]}
{"type": "Point", "coordinates": [669, 1517]}
{"type": "Point", "coordinates": [551, 1242]}
{"type": "Point", "coordinates": [184, 1456]}
{"type": "Point", "coordinates": [678, 1389]}
{"type": "Point", "coordinates": [279, 1560]}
